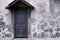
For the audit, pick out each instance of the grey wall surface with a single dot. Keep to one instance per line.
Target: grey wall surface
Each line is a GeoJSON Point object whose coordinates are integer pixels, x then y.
{"type": "Point", "coordinates": [6, 31]}
{"type": "Point", "coordinates": [45, 20]}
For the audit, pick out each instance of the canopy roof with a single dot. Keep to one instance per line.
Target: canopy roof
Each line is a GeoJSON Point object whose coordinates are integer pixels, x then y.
{"type": "Point", "coordinates": [16, 2]}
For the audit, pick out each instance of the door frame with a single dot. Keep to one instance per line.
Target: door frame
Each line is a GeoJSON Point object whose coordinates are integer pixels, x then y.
{"type": "Point", "coordinates": [29, 22]}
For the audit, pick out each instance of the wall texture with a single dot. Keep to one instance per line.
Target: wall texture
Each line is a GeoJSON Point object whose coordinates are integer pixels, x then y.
{"type": "Point", "coordinates": [45, 20]}
{"type": "Point", "coordinates": [6, 31]}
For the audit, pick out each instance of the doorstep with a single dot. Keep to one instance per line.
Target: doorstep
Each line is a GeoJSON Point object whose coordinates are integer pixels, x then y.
{"type": "Point", "coordinates": [21, 39]}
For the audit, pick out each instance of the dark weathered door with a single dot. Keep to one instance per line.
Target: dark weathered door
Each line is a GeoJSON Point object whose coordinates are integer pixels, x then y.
{"type": "Point", "coordinates": [21, 23]}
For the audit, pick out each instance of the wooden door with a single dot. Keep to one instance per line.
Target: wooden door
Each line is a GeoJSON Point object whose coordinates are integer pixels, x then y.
{"type": "Point", "coordinates": [21, 23]}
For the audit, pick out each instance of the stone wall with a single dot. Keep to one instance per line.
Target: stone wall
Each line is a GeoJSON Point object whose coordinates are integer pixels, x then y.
{"type": "Point", "coordinates": [6, 31]}
{"type": "Point", "coordinates": [40, 19]}
{"type": "Point", "coordinates": [45, 20]}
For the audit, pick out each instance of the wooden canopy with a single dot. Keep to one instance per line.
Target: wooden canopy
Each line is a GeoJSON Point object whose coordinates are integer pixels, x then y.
{"type": "Point", "coordinates": [16, 2]}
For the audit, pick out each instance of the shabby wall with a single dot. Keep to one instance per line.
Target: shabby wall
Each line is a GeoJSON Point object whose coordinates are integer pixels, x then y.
{"type": "Point", "coordinates": [45, 23]}
{"type": "Point", "coordinates": [45, 20]}
{"type": "Point", "coordinates": [6, 31]}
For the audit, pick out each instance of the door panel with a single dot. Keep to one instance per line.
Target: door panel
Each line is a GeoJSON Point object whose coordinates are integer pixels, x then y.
{"type": "Point", "coordinates": [21, 23]}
